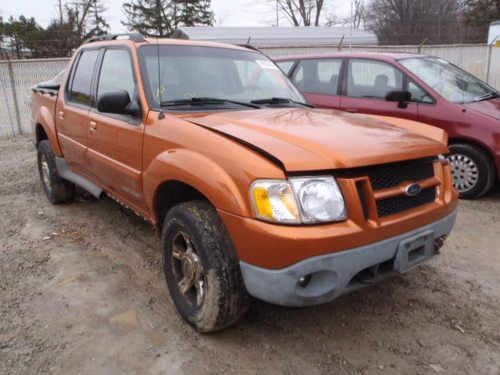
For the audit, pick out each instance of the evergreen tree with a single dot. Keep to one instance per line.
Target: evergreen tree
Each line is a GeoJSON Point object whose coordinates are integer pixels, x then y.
{"type": "Point", "coordinates": [160, 18]}
{"type": "Point", "coordinates": [194, 13]}
{"type": "Point", "coordinates": [152, 18]}
{"type": "Point", "coordinates": [479, 14]}
{"type": "Point", "coordinates": [96, 23]}
{"type": "Point", "coordinates": [20, 34]}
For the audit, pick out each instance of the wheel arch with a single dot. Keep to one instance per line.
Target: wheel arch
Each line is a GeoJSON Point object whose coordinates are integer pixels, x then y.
{"type": "Point", "coordinates": [481, 146]}
{"type": "Point", "coordinates": [172, 192]}
{"type": "Point", "coordinates": [186, 173]}
{"type": "Point", "coordinates": [45, 127]}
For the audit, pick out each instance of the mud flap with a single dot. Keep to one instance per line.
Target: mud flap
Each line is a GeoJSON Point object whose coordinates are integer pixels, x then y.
{"type": "Point", "coordinates": [413, 251]}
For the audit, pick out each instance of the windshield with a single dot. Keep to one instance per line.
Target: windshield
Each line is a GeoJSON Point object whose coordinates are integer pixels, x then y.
{"type": "Point", "coordinates": [448, 80]}
{"type": "Point", "coordinates": [188, 72]}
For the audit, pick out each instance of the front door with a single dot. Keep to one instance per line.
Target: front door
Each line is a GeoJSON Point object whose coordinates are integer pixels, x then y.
{"type": "Point", "coordinates": [366, 85]}
{"type": "Point", "coordinates": [115, 140]}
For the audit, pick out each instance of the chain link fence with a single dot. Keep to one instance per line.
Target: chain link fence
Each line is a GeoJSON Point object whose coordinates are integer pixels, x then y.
{"type": "Point", "coordinates": [17, 76]}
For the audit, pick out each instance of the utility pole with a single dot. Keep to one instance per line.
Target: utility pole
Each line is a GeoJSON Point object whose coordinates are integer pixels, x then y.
{"type": "Point", "coordinates": [352, 23]}
{"type": "Point", "coordinates": [277, 14]}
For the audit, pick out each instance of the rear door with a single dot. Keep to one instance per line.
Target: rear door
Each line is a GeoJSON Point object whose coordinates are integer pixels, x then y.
{"type": "Point", "coordinates": [319, 81]}
{"type": "Point", "coordinates": [367, 82]}
{"type": "Point", "coordinates": [115, 140]}
{"type": "Point", "coordinates": [72, 111]}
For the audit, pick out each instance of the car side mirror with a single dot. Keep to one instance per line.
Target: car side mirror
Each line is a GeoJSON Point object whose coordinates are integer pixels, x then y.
{"type": "Point", "coordinates": [117, 101]}
{"type": "Point", "coordinates": [402, 97]}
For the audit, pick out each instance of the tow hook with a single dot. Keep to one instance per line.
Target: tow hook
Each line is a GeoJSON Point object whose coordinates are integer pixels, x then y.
{"type": "Point", "coordinates": [438, 243]}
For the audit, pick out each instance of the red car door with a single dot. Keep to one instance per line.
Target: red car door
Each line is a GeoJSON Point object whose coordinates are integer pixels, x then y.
{"type": "Point", "coordinates": [318, 80]}
{"type": "Point", "coordinates": [366, 84]}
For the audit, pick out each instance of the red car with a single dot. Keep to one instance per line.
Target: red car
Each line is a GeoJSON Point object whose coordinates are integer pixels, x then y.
{"type": "Point", "coordinates": [417, 87]}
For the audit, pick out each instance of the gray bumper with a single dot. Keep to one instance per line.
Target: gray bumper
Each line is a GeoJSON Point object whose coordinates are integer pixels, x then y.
{"type": "Point", "coordinates": [335, 274]}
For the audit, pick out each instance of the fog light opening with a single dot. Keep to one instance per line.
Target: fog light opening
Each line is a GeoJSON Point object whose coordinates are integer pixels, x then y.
{"type": "Point", "coordinates": [304, 281]}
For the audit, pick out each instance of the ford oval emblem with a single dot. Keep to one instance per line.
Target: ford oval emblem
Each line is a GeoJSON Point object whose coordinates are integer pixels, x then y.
{"type": "Point", "coordinates": [413, 189]}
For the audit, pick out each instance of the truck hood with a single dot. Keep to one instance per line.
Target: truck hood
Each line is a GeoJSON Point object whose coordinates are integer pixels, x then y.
{"type": "Point", "coordinates": [489, 107]}
{"type": "Point", "coordinates": [313, 139]}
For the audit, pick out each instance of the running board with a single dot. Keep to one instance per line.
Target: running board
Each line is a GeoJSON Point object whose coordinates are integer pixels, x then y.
{"type": "Point", "coordinates": [68, 174]}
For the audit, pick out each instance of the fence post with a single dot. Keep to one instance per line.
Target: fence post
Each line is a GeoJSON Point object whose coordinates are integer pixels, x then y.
{"type": "Point", "coordinates": [14, 96]}
{"type": "Point", "coordinates": [488, 67]}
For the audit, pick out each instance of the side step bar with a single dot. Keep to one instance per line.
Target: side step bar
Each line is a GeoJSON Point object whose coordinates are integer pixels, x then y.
{"type": "Point", "coordinates": [84, 183]}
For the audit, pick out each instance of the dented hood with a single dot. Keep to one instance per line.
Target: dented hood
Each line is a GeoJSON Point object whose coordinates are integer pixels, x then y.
{"type": "Point", "coordinates": [313, 139]}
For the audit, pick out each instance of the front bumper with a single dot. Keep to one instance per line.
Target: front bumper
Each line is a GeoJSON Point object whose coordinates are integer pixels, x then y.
{"type": "Point", "coordinates": [335, 274]}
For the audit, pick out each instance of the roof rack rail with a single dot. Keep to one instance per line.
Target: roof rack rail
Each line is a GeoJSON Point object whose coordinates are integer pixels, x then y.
{"type": "Point", "coordinates": [134, 37]}
{"type": "Point", "coordinates": [249, 46]}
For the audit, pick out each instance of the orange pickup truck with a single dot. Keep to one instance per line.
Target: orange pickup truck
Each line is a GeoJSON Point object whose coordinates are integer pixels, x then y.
{"type": "Point", "coordinates": [256, 192]}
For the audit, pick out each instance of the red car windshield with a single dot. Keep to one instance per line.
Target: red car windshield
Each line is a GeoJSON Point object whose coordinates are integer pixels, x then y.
{"type": "Point", "coordinates": [448, 80]}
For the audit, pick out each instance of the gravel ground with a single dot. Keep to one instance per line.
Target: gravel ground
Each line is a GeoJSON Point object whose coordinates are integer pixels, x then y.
{"type": "Point", "coordinates": [82, 292]}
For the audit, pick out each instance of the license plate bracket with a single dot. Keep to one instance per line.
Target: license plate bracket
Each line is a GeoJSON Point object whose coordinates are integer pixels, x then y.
{"type": "Point", "coordinates": [414, 251]}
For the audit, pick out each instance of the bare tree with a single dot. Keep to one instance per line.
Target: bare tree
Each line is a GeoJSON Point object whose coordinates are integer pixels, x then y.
{"type": "Point", "coordinates": [356, 19]}
{"type": "Point", "coordinates": [358, 13]}
{"type": "Point", "coordinates": [302, 12]}
{"type": "Point", "coordinates": [414, 21]}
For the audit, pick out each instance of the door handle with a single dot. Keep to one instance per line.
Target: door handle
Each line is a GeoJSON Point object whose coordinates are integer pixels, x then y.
{"type": "Point", "coordinates": [61, 115]}
{"type": "Point", "coordinates": [93, 127]}
{"type": "Point", "coordinates": [351, 110]}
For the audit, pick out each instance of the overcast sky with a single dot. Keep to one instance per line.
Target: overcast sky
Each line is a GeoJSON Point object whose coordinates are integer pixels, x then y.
{"type": "Point", "coordinates": [227, 12]}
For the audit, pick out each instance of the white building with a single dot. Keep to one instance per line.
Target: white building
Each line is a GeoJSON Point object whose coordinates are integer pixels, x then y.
{"type": "Point", "coordinates": [263, 37]}
{"type": "Point", "coordinates": [494, 34]}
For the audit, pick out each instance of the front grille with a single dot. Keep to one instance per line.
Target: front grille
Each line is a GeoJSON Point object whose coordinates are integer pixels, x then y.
{"type": "Point", "coordinates": [389, 175]}
{"type": "Point", "coordinates": [401, 203]}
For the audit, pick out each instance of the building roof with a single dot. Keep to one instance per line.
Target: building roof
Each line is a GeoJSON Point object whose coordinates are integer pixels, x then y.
{"type": "Point", "coordinates": [279, 36]}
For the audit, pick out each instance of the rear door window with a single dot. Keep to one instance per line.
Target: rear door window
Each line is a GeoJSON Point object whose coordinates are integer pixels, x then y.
{"type": "Point", "coordinates": [82, 77]}
{"type": "Point", "coordinates": [372, 79]}
{"type": "Point", "coordinates": [320, 76]}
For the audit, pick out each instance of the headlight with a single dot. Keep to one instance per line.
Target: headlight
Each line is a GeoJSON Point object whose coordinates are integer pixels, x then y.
{"type": "Point", "coordinates": [298, 200]}
{"type": "Point", "coordinates": [320, 199]}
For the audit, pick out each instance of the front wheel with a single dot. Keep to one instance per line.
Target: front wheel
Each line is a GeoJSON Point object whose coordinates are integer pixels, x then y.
{"type": "Point", "coordinates": [201, 267]}
{"type": "Point", "coordinates": [473, 171]}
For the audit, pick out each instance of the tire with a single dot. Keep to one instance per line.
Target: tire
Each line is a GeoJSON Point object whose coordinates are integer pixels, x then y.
{"type": "Point", "coordinates": [203, 273]}
{"type": "Point", "coordinates": [56, 188]}
{"type": "Point", "coordinates": [473, 171]}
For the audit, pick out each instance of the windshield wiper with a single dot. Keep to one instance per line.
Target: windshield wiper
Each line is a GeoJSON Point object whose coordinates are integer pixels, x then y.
{"type": "Point", "coordinates": [275, 100]}
{"type": "Point", "coordinates": [204, 101]}
{"type": "Point", "coordinates": [490, 95]}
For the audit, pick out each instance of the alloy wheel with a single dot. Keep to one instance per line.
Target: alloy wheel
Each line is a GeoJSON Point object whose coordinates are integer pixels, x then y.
{"type": "Point", "coordinates": [188, 269]}
{"type": "Point", "coordinates": [45, 171]}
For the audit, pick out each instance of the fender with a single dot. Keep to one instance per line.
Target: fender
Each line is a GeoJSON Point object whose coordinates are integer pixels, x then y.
{"type": "Point", "coordinates": [45, 118]}
{"type": "Point", "coordinates": [198, 171]}
{"type": "Point", "coordinates": [421, 128]}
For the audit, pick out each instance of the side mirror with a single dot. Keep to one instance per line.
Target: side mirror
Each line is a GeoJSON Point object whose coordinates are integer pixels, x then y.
{"type": "Point", "coordinates": [118, 102]}
{"type": "Point", "coordinates": [402, 97]}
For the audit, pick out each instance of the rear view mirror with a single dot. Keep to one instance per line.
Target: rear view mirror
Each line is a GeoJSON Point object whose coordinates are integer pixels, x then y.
{"type": "Point", "coordinates": [402, 97]}
{"type": "Point", "coordinates": [117, 101]}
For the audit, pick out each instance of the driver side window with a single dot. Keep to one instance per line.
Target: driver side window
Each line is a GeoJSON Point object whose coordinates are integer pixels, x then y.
{"type": "Point", "coordinates": [372, 79]}
{"type": "Point", "coordinates": [116, 73]}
